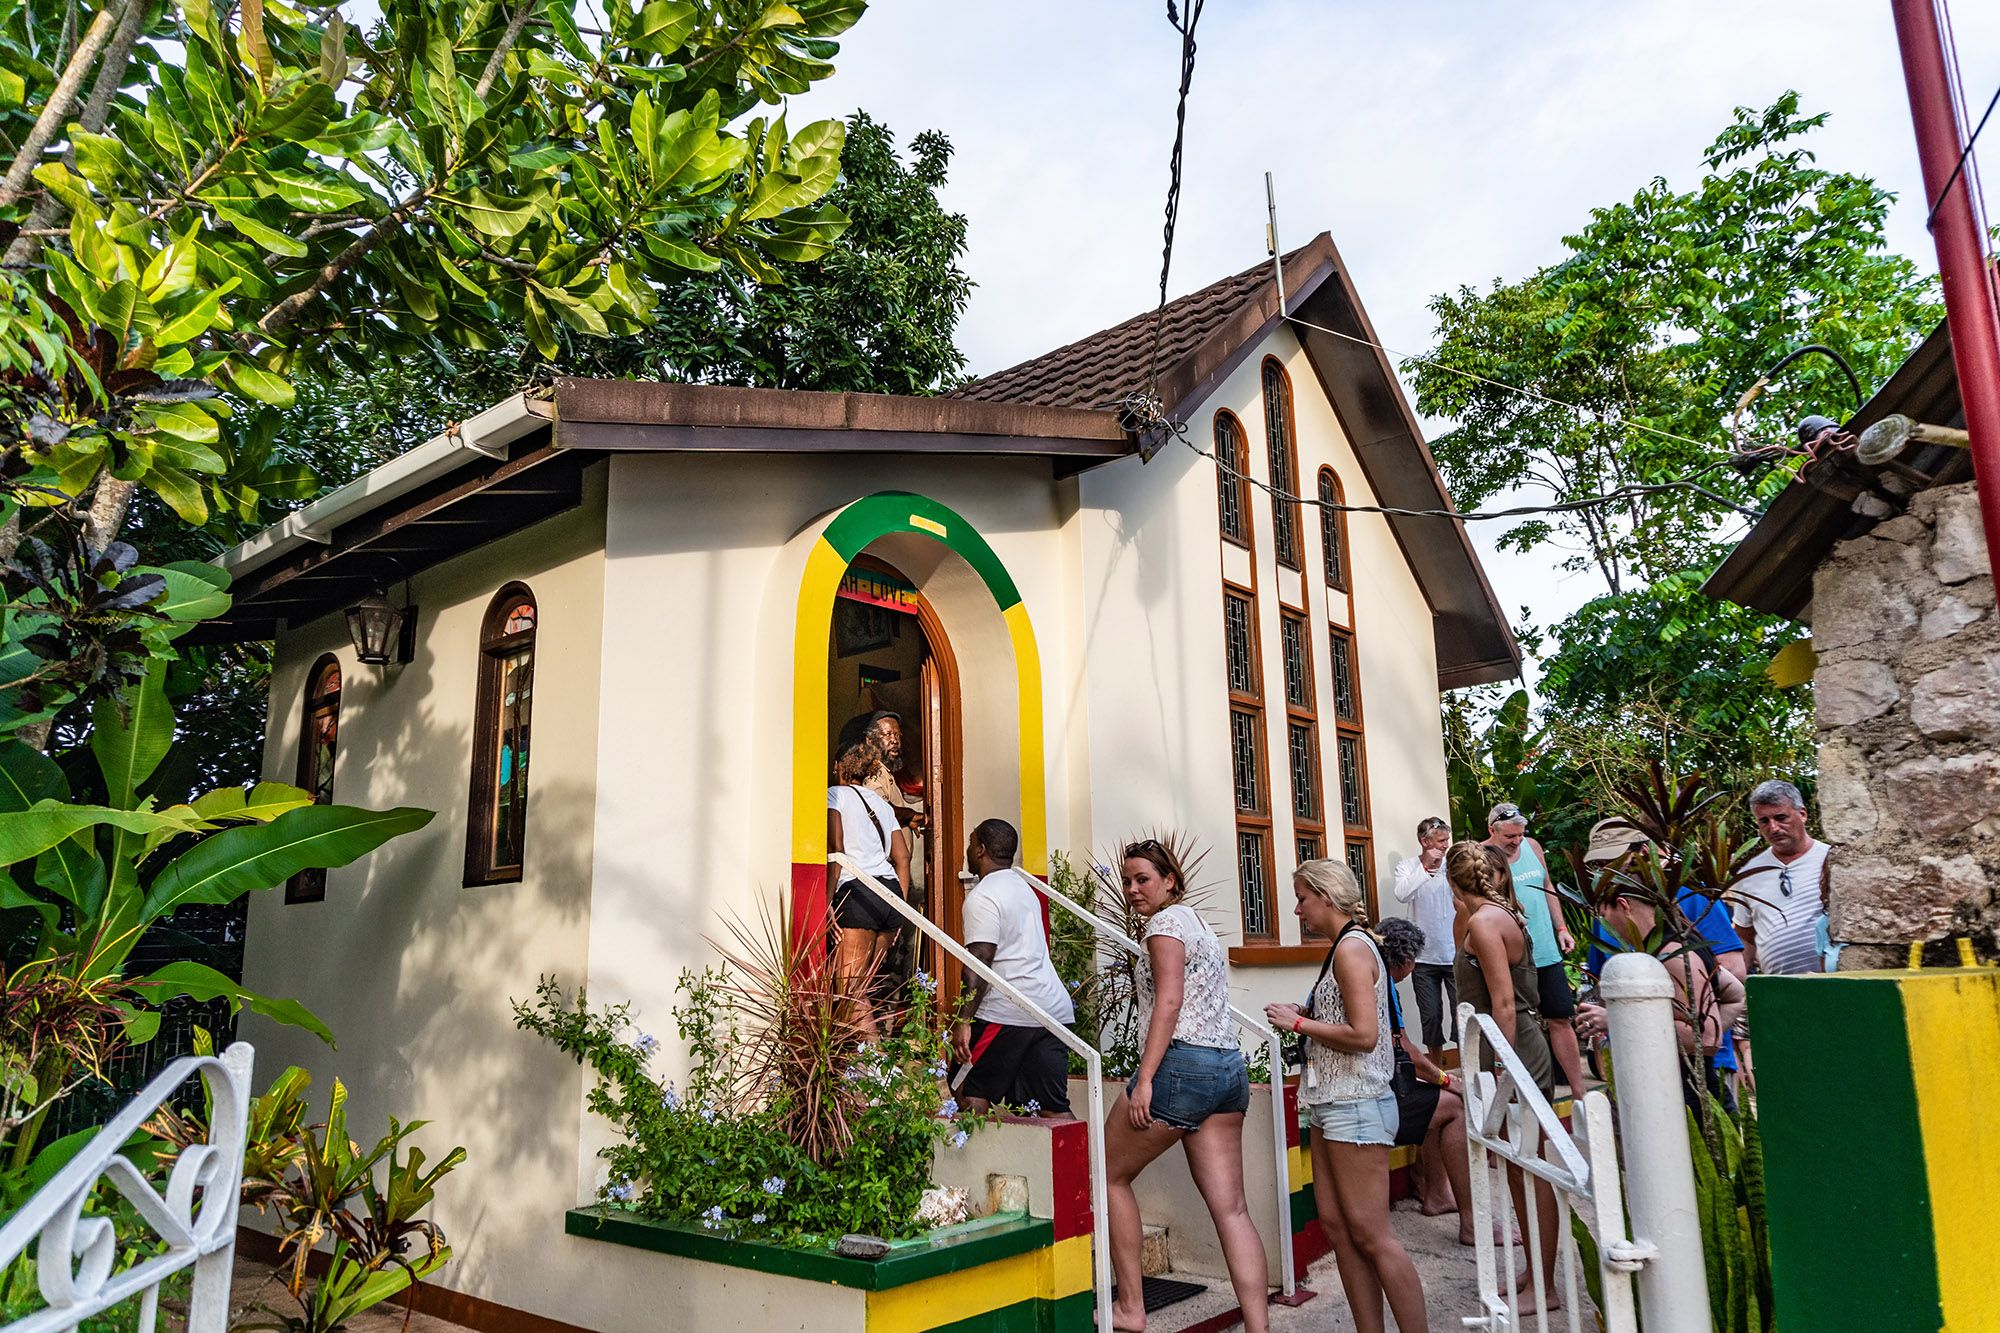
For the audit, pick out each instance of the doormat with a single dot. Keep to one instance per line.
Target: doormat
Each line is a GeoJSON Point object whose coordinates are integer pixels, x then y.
{"type": "Point", "coordinates": [1160, 1292]}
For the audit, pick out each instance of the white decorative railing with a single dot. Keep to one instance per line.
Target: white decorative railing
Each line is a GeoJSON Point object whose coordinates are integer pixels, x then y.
{"type": "Point", "coordinates": [1656, 1267]}
{"type": "Point", "coordinates": [1274, 1052]}
{"type": "Point", "coordinates": [195, 1216]}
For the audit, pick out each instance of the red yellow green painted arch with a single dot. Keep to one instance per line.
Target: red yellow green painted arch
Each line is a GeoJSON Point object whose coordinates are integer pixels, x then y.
{"type": "Point", "coordinates": [851, 530]}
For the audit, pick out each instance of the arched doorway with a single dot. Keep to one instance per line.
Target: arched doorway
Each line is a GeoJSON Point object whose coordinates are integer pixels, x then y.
{"type": "Point", "coordinates": [989, 688]}
{"type": "Point", "coordinates": [890, 652]}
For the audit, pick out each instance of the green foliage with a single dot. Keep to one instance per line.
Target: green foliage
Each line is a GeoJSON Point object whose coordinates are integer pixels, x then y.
{"type": "Point", "coordinates": [1662, 311]}
{"type": "Point", "coordinates": [289, 190]}
{"type": "Point", "coordinates": [322, 1186]}
{"type": "Point", "coordinates": [728, 1152]}
{"type": "Point", "coordinates": [97, 850]}
{"type": "Point", "coordinates": [1735, 1229]}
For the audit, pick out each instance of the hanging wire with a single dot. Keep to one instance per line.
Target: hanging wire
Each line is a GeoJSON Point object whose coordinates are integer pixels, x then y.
{"type": "Point", "coordinates": [1185, 26]}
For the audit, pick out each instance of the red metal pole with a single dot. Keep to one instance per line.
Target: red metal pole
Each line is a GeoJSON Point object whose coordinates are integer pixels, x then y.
{"type": "Point", "coordinates": [1962, 262]}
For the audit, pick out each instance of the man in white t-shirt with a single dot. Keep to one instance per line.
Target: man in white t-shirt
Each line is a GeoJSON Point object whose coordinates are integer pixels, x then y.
{"type": "Point", "coordinates": [1420, 881]}
{"type": "Point", "coordinates": [1778, 902]}
{"type": "Point", "coordinates": [1015, 1062]}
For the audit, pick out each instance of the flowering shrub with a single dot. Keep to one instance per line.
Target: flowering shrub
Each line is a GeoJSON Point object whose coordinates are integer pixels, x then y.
{"type": "Point", "coordinates": [724, 1152]}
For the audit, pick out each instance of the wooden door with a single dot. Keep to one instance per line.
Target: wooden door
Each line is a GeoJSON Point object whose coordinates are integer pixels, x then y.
{"type": "Point", "coordinates": [943, 844]}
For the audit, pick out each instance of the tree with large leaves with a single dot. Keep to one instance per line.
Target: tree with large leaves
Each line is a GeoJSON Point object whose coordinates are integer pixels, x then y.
{"type": "Point", "coordinates": [282, 189]}
{"type": "Point", "coordinates": [1635, 346]}
{"type": "Point", "coordinates": [96, 852]}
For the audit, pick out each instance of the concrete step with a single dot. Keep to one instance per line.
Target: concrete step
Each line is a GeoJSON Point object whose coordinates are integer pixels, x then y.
{"type": "Point", "coordinates": [1154, 1258]}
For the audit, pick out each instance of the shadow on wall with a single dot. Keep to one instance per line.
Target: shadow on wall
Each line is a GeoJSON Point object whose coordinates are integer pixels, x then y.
{"type": "Point", "coordinates": [414, 972]}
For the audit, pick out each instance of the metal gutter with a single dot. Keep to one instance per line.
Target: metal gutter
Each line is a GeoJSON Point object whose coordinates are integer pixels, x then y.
{"type": "Point", "coordinates": [484, 435]}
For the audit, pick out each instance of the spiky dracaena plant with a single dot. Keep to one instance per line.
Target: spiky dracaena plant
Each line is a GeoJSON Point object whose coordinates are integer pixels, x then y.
{"type": "Point", "coordinates": [800, 1028]}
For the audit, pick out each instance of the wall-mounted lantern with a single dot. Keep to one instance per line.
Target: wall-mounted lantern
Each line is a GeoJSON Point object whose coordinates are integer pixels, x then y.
{"type": "Point", "coordinates": [382, 633]}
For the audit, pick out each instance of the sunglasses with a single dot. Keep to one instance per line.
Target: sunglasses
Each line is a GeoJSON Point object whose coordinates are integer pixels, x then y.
{"type": "Point", "coordinates": [1143, 846]}
{"type": "Point", "coordinates": [1785, 881]}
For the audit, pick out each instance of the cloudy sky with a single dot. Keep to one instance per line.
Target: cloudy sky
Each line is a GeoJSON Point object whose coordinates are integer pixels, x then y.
{"type": "Point", "coordinates": [1441, 142]}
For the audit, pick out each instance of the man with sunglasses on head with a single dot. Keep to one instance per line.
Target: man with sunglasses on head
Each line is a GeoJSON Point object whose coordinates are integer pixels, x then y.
{"type": "Point", "coordinates": [1778, 902]}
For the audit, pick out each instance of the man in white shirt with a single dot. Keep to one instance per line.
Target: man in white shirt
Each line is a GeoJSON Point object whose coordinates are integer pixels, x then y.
{"type": "Point", "coordinates": [1778, 902]}
{"type": "Point", "coordinates": [1420, 881]}
{"type": "Point", "coordinates": [1015, 1062]}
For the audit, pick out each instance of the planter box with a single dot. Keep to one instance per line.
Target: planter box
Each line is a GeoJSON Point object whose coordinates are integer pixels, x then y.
{"type": "Point", "coordinates": [1005, 1274]}
{"type": "Point", "coordinates": [1011, 1273]}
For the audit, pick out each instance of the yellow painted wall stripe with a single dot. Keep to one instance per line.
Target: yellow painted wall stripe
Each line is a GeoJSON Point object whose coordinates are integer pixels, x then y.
{"type": "Point", "coordinates": [1953, 1019]}
{"type": "Point", "coordinates": [1034, 793]}
{"type": "Point", "coordinates": [813, 629]}
{"type": "Point", "coordinates": [950, 1297]}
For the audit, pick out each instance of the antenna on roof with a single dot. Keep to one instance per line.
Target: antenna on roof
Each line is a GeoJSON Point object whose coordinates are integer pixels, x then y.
{"type": "Point", "coordinates": [1271, 243]}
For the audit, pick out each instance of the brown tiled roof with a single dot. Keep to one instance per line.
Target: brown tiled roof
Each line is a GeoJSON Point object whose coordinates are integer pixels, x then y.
{"type": "Point", "coordinates": [1102, 370]}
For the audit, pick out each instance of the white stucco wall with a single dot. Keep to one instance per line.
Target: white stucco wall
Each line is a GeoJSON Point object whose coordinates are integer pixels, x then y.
{"type": "Point", "coordinates": [413, 971]}
{"type": "Point", "coordinates": [702, 582]}
{"type": "Point", "coordinates": [1156, 712]}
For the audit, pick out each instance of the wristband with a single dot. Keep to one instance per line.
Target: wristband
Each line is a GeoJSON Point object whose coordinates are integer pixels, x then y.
{"type": "Point", "coordinates": [1298, 1022]}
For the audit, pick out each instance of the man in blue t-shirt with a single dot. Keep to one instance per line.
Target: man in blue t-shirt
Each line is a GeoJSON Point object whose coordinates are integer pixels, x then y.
{"type": "Point", "coordinates": [1611, 839]}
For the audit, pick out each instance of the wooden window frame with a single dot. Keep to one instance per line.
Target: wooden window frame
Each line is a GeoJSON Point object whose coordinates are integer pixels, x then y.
{"type": "Point", "coordinates": [1274, 372]}
{"type": "Point", "coordinates": [494, 647]}
{"type": "Point", "coordinates": [1258, 821]}
{"type": "Point", "coordinates": [1333, 528]}
{"type": "Point", "coordinates": [1240, 483]}
{"type": "Point", "coordinates": [1306, 715]}
{"type": "Point", "coordinates": [1355, 729]}
{"type": "Point", "coordinates": [309, 886]}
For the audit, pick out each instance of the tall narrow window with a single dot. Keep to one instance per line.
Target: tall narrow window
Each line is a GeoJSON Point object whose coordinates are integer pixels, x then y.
{"type": "Point", "coordinates": [319, 738]}
{"type": "Point", "coordinates": [1351, 761]}
{"type": "Point", "coordinates": [1232, 484]}
{"type": "Point", "coordinates": [1333, 529]}
{"type": "Point", "coordinates": [496, 836]}
{"type": "Point", "coordinates": [1284, 464]}
{"type": "Point", "coordinates": [1249, 772]}
{"type": "Point", "coordinates": [1301, 730]}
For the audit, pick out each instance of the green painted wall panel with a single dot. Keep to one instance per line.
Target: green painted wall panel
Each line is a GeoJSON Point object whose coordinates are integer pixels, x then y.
{"type": "Point", "coordinates": [1850, 1210]}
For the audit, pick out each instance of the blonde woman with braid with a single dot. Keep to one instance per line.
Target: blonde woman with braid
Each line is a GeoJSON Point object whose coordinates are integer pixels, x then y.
{"type": "Point", "coordinates": [1346, 1092]}
{"type": "Point", "coordinates": [1495, 971]}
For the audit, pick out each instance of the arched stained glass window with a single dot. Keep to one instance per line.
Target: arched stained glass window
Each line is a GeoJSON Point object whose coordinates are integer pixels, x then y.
{"type": "Point", "coordinates": [1280, 437]}
{"type": "Point", "coordinates": [319, 738]}
{"type": "Point", "coordinates": [497, 829]}
{"type": "Point", "coordinates": [1232, 482]}
{"type": "Point", "coordinates": [1333, 529]}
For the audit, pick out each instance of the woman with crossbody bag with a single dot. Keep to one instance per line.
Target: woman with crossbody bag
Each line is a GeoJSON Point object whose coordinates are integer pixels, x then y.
{"type": "Point", "coordinates": [1345, 1091]}
{"type": "Point", "coordinates": [863, 826]}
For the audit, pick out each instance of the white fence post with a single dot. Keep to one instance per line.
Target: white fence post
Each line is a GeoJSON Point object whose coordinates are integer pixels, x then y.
{"type": "Point", "coordinates": [1659, 1166]}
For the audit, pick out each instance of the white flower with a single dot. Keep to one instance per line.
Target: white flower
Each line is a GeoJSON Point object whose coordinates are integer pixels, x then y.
{"type": "Point", "coordinates": [958, 1139]}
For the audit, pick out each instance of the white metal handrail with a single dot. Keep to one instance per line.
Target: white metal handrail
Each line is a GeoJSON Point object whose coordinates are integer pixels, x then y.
{"type": "Point", "coordinates": [196, 1216]}
{"type": "Point", "coordinates": [1274, 1052]}
{"type": "Point", "coordinates": [1653, 1267]}
{"type": "Point", "coordinates": [1100, 1206]}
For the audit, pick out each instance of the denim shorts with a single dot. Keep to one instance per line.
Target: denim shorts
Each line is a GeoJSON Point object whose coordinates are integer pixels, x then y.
{"type": "Point", "coordinates": [1196, 1082]}
{"type": "Point", "coordinates": [1369, 1122]}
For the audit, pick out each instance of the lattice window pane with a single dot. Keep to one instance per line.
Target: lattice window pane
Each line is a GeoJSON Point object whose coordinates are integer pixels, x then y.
{"type": "Point", "coordinates": [1237, 639]}
{"type": "Point", "coordinates": [1346, 704]}
{"type": "Point", "coordinates": [1332, 541]}
{"type": "Point", "coordinates": [1253, 877]}
{"type": "Point", "coordinates": [1308, 849]}
{"type": "Point", "coordinates": [1278, 435]}
{"type": "Point", "coordinates": [1358, 861]}
{"type": "Point", "coordinates": [1298, 674]}
{"type": "Point", "coordinates": [1244, 755]}
{"type": "Point", "coordinates": [1231, 490]}
{"type": "Point", "coordinates": [1353, 794]}
{"type": "Point", "coordinates": [1305, 773]}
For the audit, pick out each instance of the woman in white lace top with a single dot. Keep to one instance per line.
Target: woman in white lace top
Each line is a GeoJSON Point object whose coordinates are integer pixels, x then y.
{"type": "Point", "coordinates": [1345, 1092]}
{"type": "Point", "coordinates": [1191, 1087]}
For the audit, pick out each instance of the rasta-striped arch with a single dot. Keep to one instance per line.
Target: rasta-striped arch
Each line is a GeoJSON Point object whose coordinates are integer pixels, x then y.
{"type": "Point", "coordinates": [851, 530]}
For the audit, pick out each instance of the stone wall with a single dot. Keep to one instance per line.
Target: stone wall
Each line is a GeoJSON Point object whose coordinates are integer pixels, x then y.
{"type": "Point", "coordinates": [1908, 699]}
